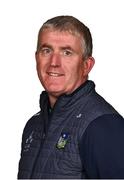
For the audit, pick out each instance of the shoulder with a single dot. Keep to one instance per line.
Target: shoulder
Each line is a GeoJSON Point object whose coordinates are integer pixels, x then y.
{"type": "Point", "coordinates": [106, 123]}
{"type": "Point", "coordinates": [107, 120]}
{"type": "Point", "coordinates": [33, 121]}
{"type": "Point", "coordinates": [105, 128]}
{"type": "Point", "coordinates": [32, 124]}
{"type": "Point", "coordinates": [98, 104]}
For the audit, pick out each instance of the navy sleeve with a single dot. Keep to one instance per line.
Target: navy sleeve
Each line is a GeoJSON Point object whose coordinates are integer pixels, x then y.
{"type": "Point", "coordinates": [102, 148]}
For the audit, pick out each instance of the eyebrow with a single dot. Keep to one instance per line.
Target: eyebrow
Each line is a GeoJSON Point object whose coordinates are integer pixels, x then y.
{"type": "Point", "coordinates": [61, 48]}
{"type": "Point", "coordinates": [45, 45]}
{"type": "Point", "coordinates": [67, 47]}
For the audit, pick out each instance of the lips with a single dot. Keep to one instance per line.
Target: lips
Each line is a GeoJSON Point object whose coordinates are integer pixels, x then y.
{"type": "Point", "coordinates": [54, 74]}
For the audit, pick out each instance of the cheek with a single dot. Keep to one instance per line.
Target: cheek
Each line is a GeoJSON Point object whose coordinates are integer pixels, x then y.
{"type": "Point", "coordinates": [41, 66]}
{"type": "Point", "coordinates": [40, 71]}
{"type": "Point", "coordinates": [76, 69]}
{"type": "Point", "coordinates": [71, 74]}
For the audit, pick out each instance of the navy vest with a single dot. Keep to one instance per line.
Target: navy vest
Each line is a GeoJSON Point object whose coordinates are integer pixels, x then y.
{"type": "Point", "coordinates": [46, 154]}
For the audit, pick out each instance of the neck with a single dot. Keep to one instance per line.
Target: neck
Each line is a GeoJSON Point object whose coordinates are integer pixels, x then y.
{"type": "Point", "coordinates": [53, 97]}
{"type": "Point", "coordinates": [52, 100]}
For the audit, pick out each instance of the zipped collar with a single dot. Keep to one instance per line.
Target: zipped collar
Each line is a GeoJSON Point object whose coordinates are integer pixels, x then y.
{"type": "Point", "coordinates": [70, 99]}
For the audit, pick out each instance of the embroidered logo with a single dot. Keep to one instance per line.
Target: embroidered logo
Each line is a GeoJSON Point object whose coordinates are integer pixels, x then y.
{"type": "Point", "coordinates": [28, 142]}
{"type": "Point", "coordinates": [62, 140]}
{"type": "Point", "coordinates": [79, 115]}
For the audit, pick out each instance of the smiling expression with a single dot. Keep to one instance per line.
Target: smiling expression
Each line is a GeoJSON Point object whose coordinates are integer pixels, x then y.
{"type": "Point", "coordinates": [60, 66]}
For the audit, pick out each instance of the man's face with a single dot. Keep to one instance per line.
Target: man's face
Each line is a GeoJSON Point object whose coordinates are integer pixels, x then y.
{"type": "Point", "coordinates": [60, 66]}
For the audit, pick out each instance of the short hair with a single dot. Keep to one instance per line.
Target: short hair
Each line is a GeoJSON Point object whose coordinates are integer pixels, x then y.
{"type": "Point", "coordinates": [72, 25]}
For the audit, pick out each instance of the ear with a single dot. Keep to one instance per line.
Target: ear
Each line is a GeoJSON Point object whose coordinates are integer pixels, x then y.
{"type": "Point", "coordinates": [88, 65]}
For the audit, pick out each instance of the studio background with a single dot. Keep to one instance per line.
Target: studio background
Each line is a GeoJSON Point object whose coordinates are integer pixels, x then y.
{"type": "Point", "coordinates": [20, 88]}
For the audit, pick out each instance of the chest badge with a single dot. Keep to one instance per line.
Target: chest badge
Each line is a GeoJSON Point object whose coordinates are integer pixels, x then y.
{"type": "Point", "coordinates": [62, 140]}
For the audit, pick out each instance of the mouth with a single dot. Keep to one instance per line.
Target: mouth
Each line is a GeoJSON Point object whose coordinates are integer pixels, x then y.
{"type": "Point", "coordinates": [53, 74]}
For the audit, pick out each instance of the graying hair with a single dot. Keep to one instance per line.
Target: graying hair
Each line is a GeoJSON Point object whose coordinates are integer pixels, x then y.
{"type": "Point", "coordinates": [73, 26]}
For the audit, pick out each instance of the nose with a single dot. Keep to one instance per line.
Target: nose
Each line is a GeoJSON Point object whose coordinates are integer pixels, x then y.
{"type": "Point", "coordinates": [55, 60]}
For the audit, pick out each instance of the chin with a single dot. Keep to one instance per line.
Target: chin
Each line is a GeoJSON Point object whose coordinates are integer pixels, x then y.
{"type": "Point", "coordinates": [55, 91]}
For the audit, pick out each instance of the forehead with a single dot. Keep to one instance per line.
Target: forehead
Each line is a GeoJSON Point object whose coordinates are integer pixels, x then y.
{"type": "Point", "coordinates": [56, 36]}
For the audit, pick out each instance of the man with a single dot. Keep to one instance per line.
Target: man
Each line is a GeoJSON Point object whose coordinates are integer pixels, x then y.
{"type": "Point", "coordinates": [77, 134]}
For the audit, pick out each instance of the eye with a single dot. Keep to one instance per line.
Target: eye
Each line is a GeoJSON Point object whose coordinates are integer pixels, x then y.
{"type": "Point", "coordinates": [67, 52]}
{"type": "Point", "coordinates": [45, 51]}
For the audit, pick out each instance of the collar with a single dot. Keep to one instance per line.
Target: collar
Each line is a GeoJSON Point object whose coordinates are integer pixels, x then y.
{"type": "Point", "coordinates": [68, 100]}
